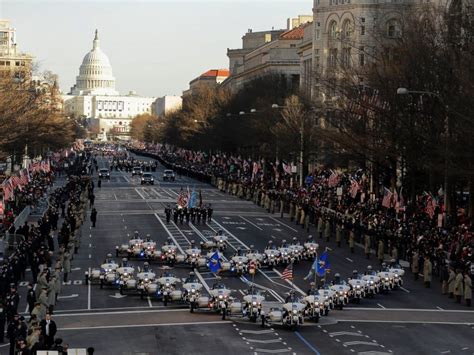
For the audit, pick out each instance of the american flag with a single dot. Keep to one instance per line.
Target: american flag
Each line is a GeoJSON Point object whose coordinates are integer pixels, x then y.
{"type": "Point", "coordinates": [387, 198]}
{"type": "Point", "coordinates": [354, 188]}
{"type": "Point", "coordinates": [288, 273]}
{"type": "Point", "coordinates": [431, 204]}
{"type": "Point", "coordinates": [333, 179]}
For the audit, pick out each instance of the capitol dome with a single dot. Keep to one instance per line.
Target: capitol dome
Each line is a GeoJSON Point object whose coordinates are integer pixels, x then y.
{"type": "Point", "coordinates": [95, 73]}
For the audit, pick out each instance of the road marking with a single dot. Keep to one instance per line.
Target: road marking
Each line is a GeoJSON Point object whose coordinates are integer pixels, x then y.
{"type": "Point", "coordinates": [89, 292]}
{"type": "Point", "coordinates": [378, 304]}
{"type": "Point", "coordinates": [360, 343]}
{"type": "Point", "coordinates": [204, 283]}
{"type": "Point", "coordinates": [140, 194]}
{"type": "Point", "coordinates": [272, 292]}
{"type": "Point", "coordinates": [173, 192]}
{"type": "Point", "coordinates": [264, 331]}
{"type": "Point", "coordinates": [269, 341]}
{"type": "Point", "coordinates": [74, 295]}
{"type": "Point", "coordinates": [441, 309]}
{"type": "Point", "coordinates": [349, 259]}
{"type": "Point", "coordinates": [273, 237]}
{"type": "Point", "coordinates": [253, 224]}
{"type": "Point", "coordinates": [149, 302]}
{"type": "Point", "coordinates": [401, 321]}
{"type": "Point", "coordinates": [404, 289]}
{"type": "Point", "coordinates": [90, 256]}
{"type": "Point", "coordinates": [268, 351]}
{"type": "Point", "coordinates": [407, 309]}
{"type": "Point", "coordinates": [146, 325]}
{"type": "Point", "coordinates": [117, 295]}
{"type": "Point", "coordinates": [242, 292]}
{"type": "Point", "coordinates": [283, 224]}
{"type": "Point", "coordinates": [345, 333]}
{"type": "Point", "coordinates": [311, 347]}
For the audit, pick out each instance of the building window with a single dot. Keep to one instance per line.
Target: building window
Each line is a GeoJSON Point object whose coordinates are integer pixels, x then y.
{"type": "Point", "coordinates": [332, 58]}
{"type": "Point", "coordinates": [17, 64]}
{"type": "Point", "coordinates": [393, 29]}
{"type": "Point", "coordinates": [317, 34]}
{"type": "Point", "coordinates": [362, 30]}
{"type": "Point", "coordinates": [333, 33]}
{"type": "Point", "coordinates": [346, 57]}
{"type": "Point", "coordinates": [361, 56]}
{"type": "Point", "coordinates": [347, 29]}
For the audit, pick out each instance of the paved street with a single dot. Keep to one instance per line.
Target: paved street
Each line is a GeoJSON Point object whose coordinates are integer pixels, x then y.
{"type": "Point", "coordinates": [394, 323]}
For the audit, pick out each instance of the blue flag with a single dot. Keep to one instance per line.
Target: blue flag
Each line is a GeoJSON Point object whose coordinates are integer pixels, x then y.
{"type": "Point", "coordinates": [323, 264]}
{"type": "Point", "coordinates": [214, 262]}
{"type": "Point", "coordinates": [193, 199]}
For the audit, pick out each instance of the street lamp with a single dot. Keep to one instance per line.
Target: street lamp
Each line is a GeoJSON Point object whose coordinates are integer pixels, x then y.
{"type": "Point", "coordinates": [405, 91]}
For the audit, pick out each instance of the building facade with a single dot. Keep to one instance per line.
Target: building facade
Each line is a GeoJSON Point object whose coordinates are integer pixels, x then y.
{"type": "Point", "coordinates": [166, 104]}
{"type": "Point", "coordinates": [94, 96]}
{"type": "Point", "coordinates": [12, 61]}
{"type": "Point", "coordinates": [211, 78]}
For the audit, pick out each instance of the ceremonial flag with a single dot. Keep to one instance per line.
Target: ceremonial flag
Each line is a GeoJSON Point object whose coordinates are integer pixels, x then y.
{"type": "Point", "coordinates": [214, 262]}
{"type": "Point", "coordinates": [288, 272]}
{"type": "Point", "coordinates": [193, 199]}
{"type": "Point", "coordinates": [323, 265]}
{"type": "Point", "coordinates": [182, 200]}
{"type": "Point", "coordinates": [387, 198]}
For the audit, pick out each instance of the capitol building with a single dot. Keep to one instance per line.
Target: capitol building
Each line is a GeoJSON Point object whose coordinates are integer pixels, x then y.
{"type": "Point", "coordinates": [94, 96]}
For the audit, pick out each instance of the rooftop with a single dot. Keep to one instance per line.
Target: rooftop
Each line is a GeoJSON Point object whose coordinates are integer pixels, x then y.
{"type": "Point", "coordinates": [295, 33]}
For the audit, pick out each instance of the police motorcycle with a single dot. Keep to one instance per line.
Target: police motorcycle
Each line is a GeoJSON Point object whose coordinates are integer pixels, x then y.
{"type": "Point", "coordinates": [387, 279]}
{"type": "Point", "coordinates": [167, 283]}
{"type": "Point", "coordinates": [290, 314]}
{"type": "Point", "coordinates": [255, 256]}
{"type": "Point", "coordinates": [358, 286]}
{"type": "Point", "coordinates": [253, 301]}
{"type": "Point", "coordinates": [106, 274]}
{"type": "Point", "coordinates": [192, 292]}
{"type": "Point", "coordinates": [272, 255]}
{"type": "Point", "coordinates": [327, 297]}
{"type": "Point", "coordinates": [398, 273]}
{"type": "Point", "coordinates": [132, 248]}
{"type": "Point", "coordinates": [239, 262]}
{"type": "Point", "coordinates": [225, 264]}
{"type": "Point", "coordinates": [149, 249]}
{"type": "Point", "coordinates": [372, 281]}
{"type": "Point", "coordinates": [297, 250]}
{"type": "Point", "coordinates": [194, 257]}
{"type": "Point", "coordinates": [146, 283]}
{"type": "Point", "coordinates": [342, 291]}
{"type": "Point", "coordinates": [125, 277]}
{"type": "Point", "coordinates": [310, 248]}
{"type": "Point", "coordinates": [314, 304]}
{"type": "Point", "coordinates": [221, 240]}
{"type": "Point", "coordinates": [286, 256]}
{"type": "Point", "coordinates": [169, 252]}
{"type": "Point", "coordinates": [221, 300]}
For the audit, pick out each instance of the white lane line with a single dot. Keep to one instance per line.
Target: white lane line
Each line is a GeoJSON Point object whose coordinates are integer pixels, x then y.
{"type": "Point", "coordinates": [269, 341]}
{"type": "Point", "coordinates": [166, 192]}
{"type": "Point", "coordinates": [169, 233]}
{"type": "Point", "coordinates": [333, 334]}
{"type": "Point", "coordinates": [360, 343]}
{"type": "Point", "coordinates": [229, 233]}
{"type": "Point", "coordinates": [242, 292]}
{"type": "Point", "coordinates": [115, 196]}
{"type": "Point", "coordinates": [407, 309]}
{"type": "Point", "coordinates": [283, 224]}
{"type": "Point", "coordinates": [441, 309]}
{"type": "Point", "coordinates": [378, 304]}
{"type": "Point", "coordinates": [204, 283]}
{"type": "Point", "coordinates": [404, 289]}
{"type": "Point", "coordinates": [253, 224]}
{"type": "Point", "coordinates": [264, 331]}
{"type": "Point", "coordinates": [349, 259]}
{"type": "Point", "coordinates": [140, 194]}
{"type": "Point", "coordinates": [89, 292]}
{"type": "Point", "coordinates": [271, 351]}
{"type": "Point", "coordinates": [126, 178]}
{"type": "Point", "coordinates": [146, 325]}
{"type": "Point", "coordinates": [401, 321]}
{"type": "Point", "coordinates": [173, 192]}
{"type": "Point", "coordinates": [290, 283]}
{"type": "Point", "coordinates": [149, 302]}
{"type": "Point", "coordinates": [272, 292]}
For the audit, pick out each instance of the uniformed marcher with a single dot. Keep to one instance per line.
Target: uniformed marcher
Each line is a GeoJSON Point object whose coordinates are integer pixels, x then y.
{"type": "Point", "coordinates": [467, 289]}
{"type": "Point", "coordinates": [351, 240]}
{"type": "Point", "coordinates": [415, 266]}
{"type": "Point", "coordinates": [338, 233]}
{"type": "Point", "coordinates": [380, 251]}
{"type": "Point", "coordinates": [458, 286]}
{"type": "Point", "coordinates": [367, 245]}
{"type": "Point", "coordinates": [427, 271]}
{"type": "Point", "coordinates": [30, 298]}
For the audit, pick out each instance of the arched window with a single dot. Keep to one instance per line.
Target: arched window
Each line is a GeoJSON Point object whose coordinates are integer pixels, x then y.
{"type": "Point", "coordinates": [347, 29]}
{"type": "Point", "coordinates": [333, 32]}
{"type": "Point", "coordinates": [393, 29]}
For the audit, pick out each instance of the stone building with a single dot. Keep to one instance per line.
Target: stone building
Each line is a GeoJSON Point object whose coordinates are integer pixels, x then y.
{"type": "Point", "coordinates": [12, 61]}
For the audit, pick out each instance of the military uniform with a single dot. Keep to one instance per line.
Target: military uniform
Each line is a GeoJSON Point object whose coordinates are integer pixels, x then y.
{"type": "Point", "coordinates": [467, 290]}
{"type": "Point", "coordinates": [427, 271]}
{"type": "Point", "coordinates": [458, 286]}
{"type": "Point", "coordinates": [367, 245]}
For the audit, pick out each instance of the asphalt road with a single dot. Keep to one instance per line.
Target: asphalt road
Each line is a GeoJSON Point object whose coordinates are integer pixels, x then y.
{"type": "Point", "coordinates": [412, 320]}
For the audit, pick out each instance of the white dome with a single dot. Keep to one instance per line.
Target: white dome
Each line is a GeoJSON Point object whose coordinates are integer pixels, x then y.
{"type": "Point", "coordinates": [95, 73]}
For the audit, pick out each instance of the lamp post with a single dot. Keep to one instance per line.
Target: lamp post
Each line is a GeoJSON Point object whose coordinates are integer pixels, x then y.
{"type": "Point", "coordinates": [405, 91]}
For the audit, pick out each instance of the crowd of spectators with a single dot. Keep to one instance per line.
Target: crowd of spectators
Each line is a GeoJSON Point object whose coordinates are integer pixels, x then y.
{"type": "Point", "coordinates": [47, 247]}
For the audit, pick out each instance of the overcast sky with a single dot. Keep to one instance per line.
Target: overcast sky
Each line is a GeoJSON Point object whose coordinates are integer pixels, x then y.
{"type": "Point", "coordinates": [155, 47]}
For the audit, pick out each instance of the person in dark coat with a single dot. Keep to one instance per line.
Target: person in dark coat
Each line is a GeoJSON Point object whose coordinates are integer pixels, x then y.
{"type": "Point", "coordinates": [48, 330]}
{"type": "Point", "coordinates": [30, 298]}
{"type": "Point", "coordinates": [93, 217]}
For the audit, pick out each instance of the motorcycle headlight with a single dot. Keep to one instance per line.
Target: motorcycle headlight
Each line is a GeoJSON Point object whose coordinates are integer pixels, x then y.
{"type": "Point", "coordinates": [254, 303]}
{"type": "Point", "coordinates": [311, 248]}
{"type": "Point", "coordinates": [285, 254]}
{"type": "Point", "coordinates": [295, 311]}
{"type": "Point", "coordinates": [371, 282]}
{"type": "Point", "coordinates": [125, 274]}
{"type": "Point", "coordinates": [316, 304]}
{"type": "Point", "coordinates": [194, 255]}
{"type": "Point", "coordinates": [193, 290]}
{"type": "Point", "coordinates": [396, 275]}
{"type": "Point", "coordinates": [386, 279]}
{"type": "Point", "coordinates": [358, 286]}
{"type": "Point", "coordinates": [167, 284]}
{"type": "Point", "coordinates": [220, 296]}
{"type": "Point", "coordinates": [146, 280]}
{"type": "Point", "coordinates": [240, 263]}
{"type": "Point", "coordinates": [272, 256]}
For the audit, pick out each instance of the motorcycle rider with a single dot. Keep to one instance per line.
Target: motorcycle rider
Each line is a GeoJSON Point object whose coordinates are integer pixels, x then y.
{"type": "Point", "coordinates": [168, 213]}
{"type": "Point", "coordinates": [191, 278]}
{"type": "Point", "coordinates": [108, 259]}
{"type": "Point", "coordinates": [146, 267]}
{"type": "Point", "coordinates": [135, 235]}
{"type": "Point", "coordinates": [337, 279]}
{"type": "Point", "coordinates": [270, 245]}
{"type": "Point", "coordinates": [148, 238]}
{"type": "Point", "coordinates": [124, 262]}
{"type": "Point", "coordinates": [312, 289]}
{"type": "Point", "coordinates": [369, 270]}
